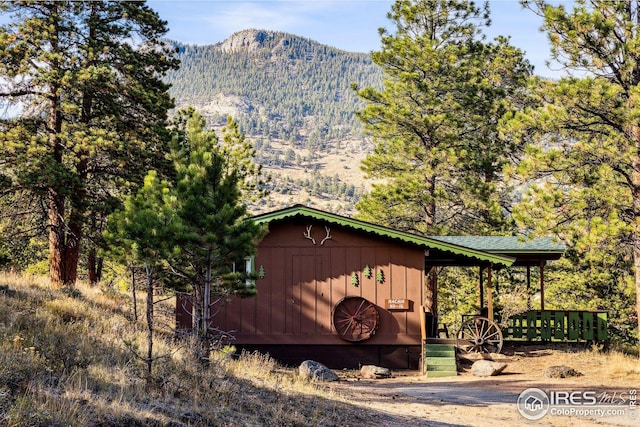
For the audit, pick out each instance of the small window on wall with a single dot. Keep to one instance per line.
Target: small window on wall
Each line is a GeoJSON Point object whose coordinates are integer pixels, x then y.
{"type": "Point", "coordinates": [246, 268]}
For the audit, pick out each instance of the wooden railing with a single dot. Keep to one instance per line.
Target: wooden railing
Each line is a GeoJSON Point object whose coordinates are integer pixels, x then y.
{"type": "Point", "coordinates": [558, 325]}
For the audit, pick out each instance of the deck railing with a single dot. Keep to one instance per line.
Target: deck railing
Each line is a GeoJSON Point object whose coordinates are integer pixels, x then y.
{"type": "Point", "coordinates": [558, 325]}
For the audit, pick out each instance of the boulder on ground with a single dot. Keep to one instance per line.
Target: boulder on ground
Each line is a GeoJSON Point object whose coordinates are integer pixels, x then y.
{"type": "Point", "coordinates": [487, 368]}
{"type": "Point", "coordinates": [374, 372]}
{"type": "Point", "coordinates": [316, 371]}
{"type": "Point", "coordinates": [561, 371]}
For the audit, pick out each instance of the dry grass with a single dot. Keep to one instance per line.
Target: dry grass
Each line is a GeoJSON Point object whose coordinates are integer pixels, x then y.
{"type": "Point", "coordinates": [64, 361]}
{"type": "Point", "coordinates": [612, 367]}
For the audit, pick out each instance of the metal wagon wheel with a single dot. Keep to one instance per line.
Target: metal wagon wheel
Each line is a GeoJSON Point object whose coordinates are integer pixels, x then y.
{"type": "Point", "coordinates": [355, 319]}
{"type": "Point", "coordinates": [479, 335]}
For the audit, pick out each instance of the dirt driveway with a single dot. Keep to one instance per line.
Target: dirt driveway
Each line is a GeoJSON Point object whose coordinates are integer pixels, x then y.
{"type": "Point", "coordinates": [411, 399]}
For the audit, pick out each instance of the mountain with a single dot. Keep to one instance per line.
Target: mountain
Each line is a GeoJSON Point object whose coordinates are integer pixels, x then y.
{"type": "Point", "coordinates": [293, 98]}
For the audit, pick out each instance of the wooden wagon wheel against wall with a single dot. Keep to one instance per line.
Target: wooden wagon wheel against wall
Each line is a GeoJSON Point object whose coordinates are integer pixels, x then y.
{"type": "Point", "coordinates": [355, 319]}
{"type": "Point", "coordinates": [479, 335]}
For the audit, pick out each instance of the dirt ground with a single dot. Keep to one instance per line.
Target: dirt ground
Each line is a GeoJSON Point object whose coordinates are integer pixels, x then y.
{"type": "Point", "coordinates": [408, 398]}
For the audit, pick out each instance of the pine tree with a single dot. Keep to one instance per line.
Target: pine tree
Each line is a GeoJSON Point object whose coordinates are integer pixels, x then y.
{"type": "Point", "coordinates": [435, 123]}
{"type": "Point", "coordinates": [84, 82]}
{"type": "Point", "coordinates": [144, 232]}
{"type": "Point", "coordinates": [587, 160]}
{"type": "Point", "coordinates": [217, 234]}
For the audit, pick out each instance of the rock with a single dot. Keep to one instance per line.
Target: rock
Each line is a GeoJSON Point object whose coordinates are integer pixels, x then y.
{"type": "Point", "coordinates": [247, 40]}
{"type": "Point", "coordinates": [487, 368]}
{"type": "Point", "coordinates": [561, 371]}
{"type": "Point", "coordinates": [316, 371]}
{"type": "Point", "coordinates": [374, 372]}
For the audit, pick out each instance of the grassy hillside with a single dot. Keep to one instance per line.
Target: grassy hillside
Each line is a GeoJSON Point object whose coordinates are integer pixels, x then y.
{"type": "Point", "coordinates": [66, 359]}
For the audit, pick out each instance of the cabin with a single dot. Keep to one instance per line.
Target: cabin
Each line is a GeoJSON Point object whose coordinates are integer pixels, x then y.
{"type": "Point", "coordinates": [348, 293]}
{"type": "Point", "coordinates": [339, 291]}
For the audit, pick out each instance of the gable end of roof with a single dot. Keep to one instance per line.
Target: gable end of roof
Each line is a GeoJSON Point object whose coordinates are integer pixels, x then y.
{"type": "Point", "coordinates": [426, 242]}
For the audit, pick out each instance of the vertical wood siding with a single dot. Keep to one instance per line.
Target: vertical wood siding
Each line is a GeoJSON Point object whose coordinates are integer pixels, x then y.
{"type": "Point", "coordinates": [303, 282]}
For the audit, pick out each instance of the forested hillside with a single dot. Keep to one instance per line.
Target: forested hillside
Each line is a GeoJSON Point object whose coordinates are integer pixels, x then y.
{"type": "Point", "coordinates": [293, 98]}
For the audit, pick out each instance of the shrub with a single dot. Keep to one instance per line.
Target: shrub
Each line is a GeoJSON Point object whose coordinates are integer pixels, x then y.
{"type": "Point", "coordinates": [65, 346]}
{"type": "Point", "coordinates": [68, 310]}
{"type": "Point", "coordinates": [26, 412]}
{"type": "Point", "coordinates": [40, 268]}
{"type": "Point", "coordinates": [18, 365]}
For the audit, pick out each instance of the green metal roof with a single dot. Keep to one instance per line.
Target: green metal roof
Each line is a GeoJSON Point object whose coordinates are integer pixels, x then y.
{"type": "Point", "coordinates": [506, 244]}
{"type": "Point", "coordinates": [427, 242]}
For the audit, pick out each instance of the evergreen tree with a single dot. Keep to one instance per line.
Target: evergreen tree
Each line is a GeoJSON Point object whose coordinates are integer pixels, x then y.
{"type": "Point", "coordinates": [586, 164]}
{"type": "Point", "coordinates": [217, 234]}
{"type": "Point", "coordinates": [239, 157]}
{"type": "Point", "coordinates": [289, 87]}
{"type": "Point", "coordinates": [144, 232]}
{"type": "Point", "coordinates": [84, 81]}
{"type": "Point", "coordinates": [435, 123]}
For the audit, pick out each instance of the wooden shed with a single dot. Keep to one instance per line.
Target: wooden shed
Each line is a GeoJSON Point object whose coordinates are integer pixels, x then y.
{"type": "Point", "coordinates": [337, 290]}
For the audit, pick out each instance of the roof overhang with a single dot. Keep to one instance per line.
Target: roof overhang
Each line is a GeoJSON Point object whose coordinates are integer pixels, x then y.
{"type": "Point", "coordinates": [526, 251]}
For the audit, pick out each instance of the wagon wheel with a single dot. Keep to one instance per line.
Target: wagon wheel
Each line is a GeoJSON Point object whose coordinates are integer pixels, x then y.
{"type": "Point", "coordinates": [479, 335]}
{"type": "Point", "coordinates": [355, 319]}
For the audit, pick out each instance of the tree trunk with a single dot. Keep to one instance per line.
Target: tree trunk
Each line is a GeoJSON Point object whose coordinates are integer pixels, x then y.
{"type": "Point", "coordinates": [63, 242]}
{"type": "Point", "coordinates": [150, 325]}
{"type": "Point", "coordinates": [91, 267]}
{"type": "Point", "coordinates": [56, 202]}
{"type": "Point", "coordinates": [430, 208]}
{"type": "Point", "coordinates": [206, 298]}
{"type": "Point", "coordinates": [205, 342]}
{"type": "Point", "coordinates": [133, 292]}
{"type": "Point", "coordinates": [635, 132]}
{"type": "Point", "coordinates": [636, 263]}
{"type": "Point", "coordinates": [94, 267]}
{"type": "Point", "coordinates": [72, 250]}
{"type": "Point", "coordinates": [56, 238]}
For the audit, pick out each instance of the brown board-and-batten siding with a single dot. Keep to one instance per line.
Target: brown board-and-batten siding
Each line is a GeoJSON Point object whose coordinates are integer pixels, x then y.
{"type": "Point", "coordinates": [291, 317]}
{"type": "Point", "coordinates": [308, 262]}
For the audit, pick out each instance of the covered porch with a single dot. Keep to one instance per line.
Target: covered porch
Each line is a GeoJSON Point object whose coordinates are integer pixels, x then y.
{"type": "Point", "coordinates": [538, 323]}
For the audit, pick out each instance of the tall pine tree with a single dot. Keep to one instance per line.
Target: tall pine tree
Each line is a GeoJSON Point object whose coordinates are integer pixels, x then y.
{"type": "Point", "coordinates": [216, 232]}
{"type": "Point", "coordinates": [435, 123]}
{"type": "Point", "coordinates": [587, 160]}
{"type": "Point", "coordinates": [88, 108]}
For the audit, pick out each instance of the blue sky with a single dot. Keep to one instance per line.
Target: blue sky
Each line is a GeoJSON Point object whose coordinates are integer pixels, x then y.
{"type": "Point", "coordinates": [351, 25]}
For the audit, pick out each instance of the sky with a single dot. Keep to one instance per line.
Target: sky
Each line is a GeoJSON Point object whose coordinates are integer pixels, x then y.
{"type": "Point", "coordinates": [351, 25]}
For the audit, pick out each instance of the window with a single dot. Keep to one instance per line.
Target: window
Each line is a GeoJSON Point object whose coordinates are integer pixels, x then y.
{"type": "Point", "coordinates": [247, 269]}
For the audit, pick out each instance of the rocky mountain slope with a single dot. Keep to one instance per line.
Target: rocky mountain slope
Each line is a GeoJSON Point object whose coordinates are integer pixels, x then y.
{"type": "Point", "coordinates": [293, 98]}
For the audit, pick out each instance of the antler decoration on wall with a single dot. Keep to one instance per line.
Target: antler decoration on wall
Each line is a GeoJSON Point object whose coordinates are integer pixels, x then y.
{"type": "Point", "coordinates": [328, 230]}
{"type": "Point", "coordinates": [308, 234]}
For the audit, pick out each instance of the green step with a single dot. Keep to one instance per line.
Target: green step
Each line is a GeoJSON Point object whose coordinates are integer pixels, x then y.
{"type": "Point", "coordinates": [439, 347]}
{"type": "Point", "coordinates": [440, 374]}
{"type": "Point", "coordinates": [441, 353]}
{"type": "Point", "coordinates": [442, 367]}
{"type": "Point", "coordinates": [440, 361]}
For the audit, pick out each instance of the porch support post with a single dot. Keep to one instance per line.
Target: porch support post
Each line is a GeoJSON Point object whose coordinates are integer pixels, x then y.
{"type": "Point", "coordinates": [431, 291]}
{"type": "Point", "coordinates": [489, 293]}
{"type": "Point", "coordinates": [528, 287]}
{"type": "Point", "coordinates": [541, 285]}
{"type": "Point", "coordinates": [481, 289]}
